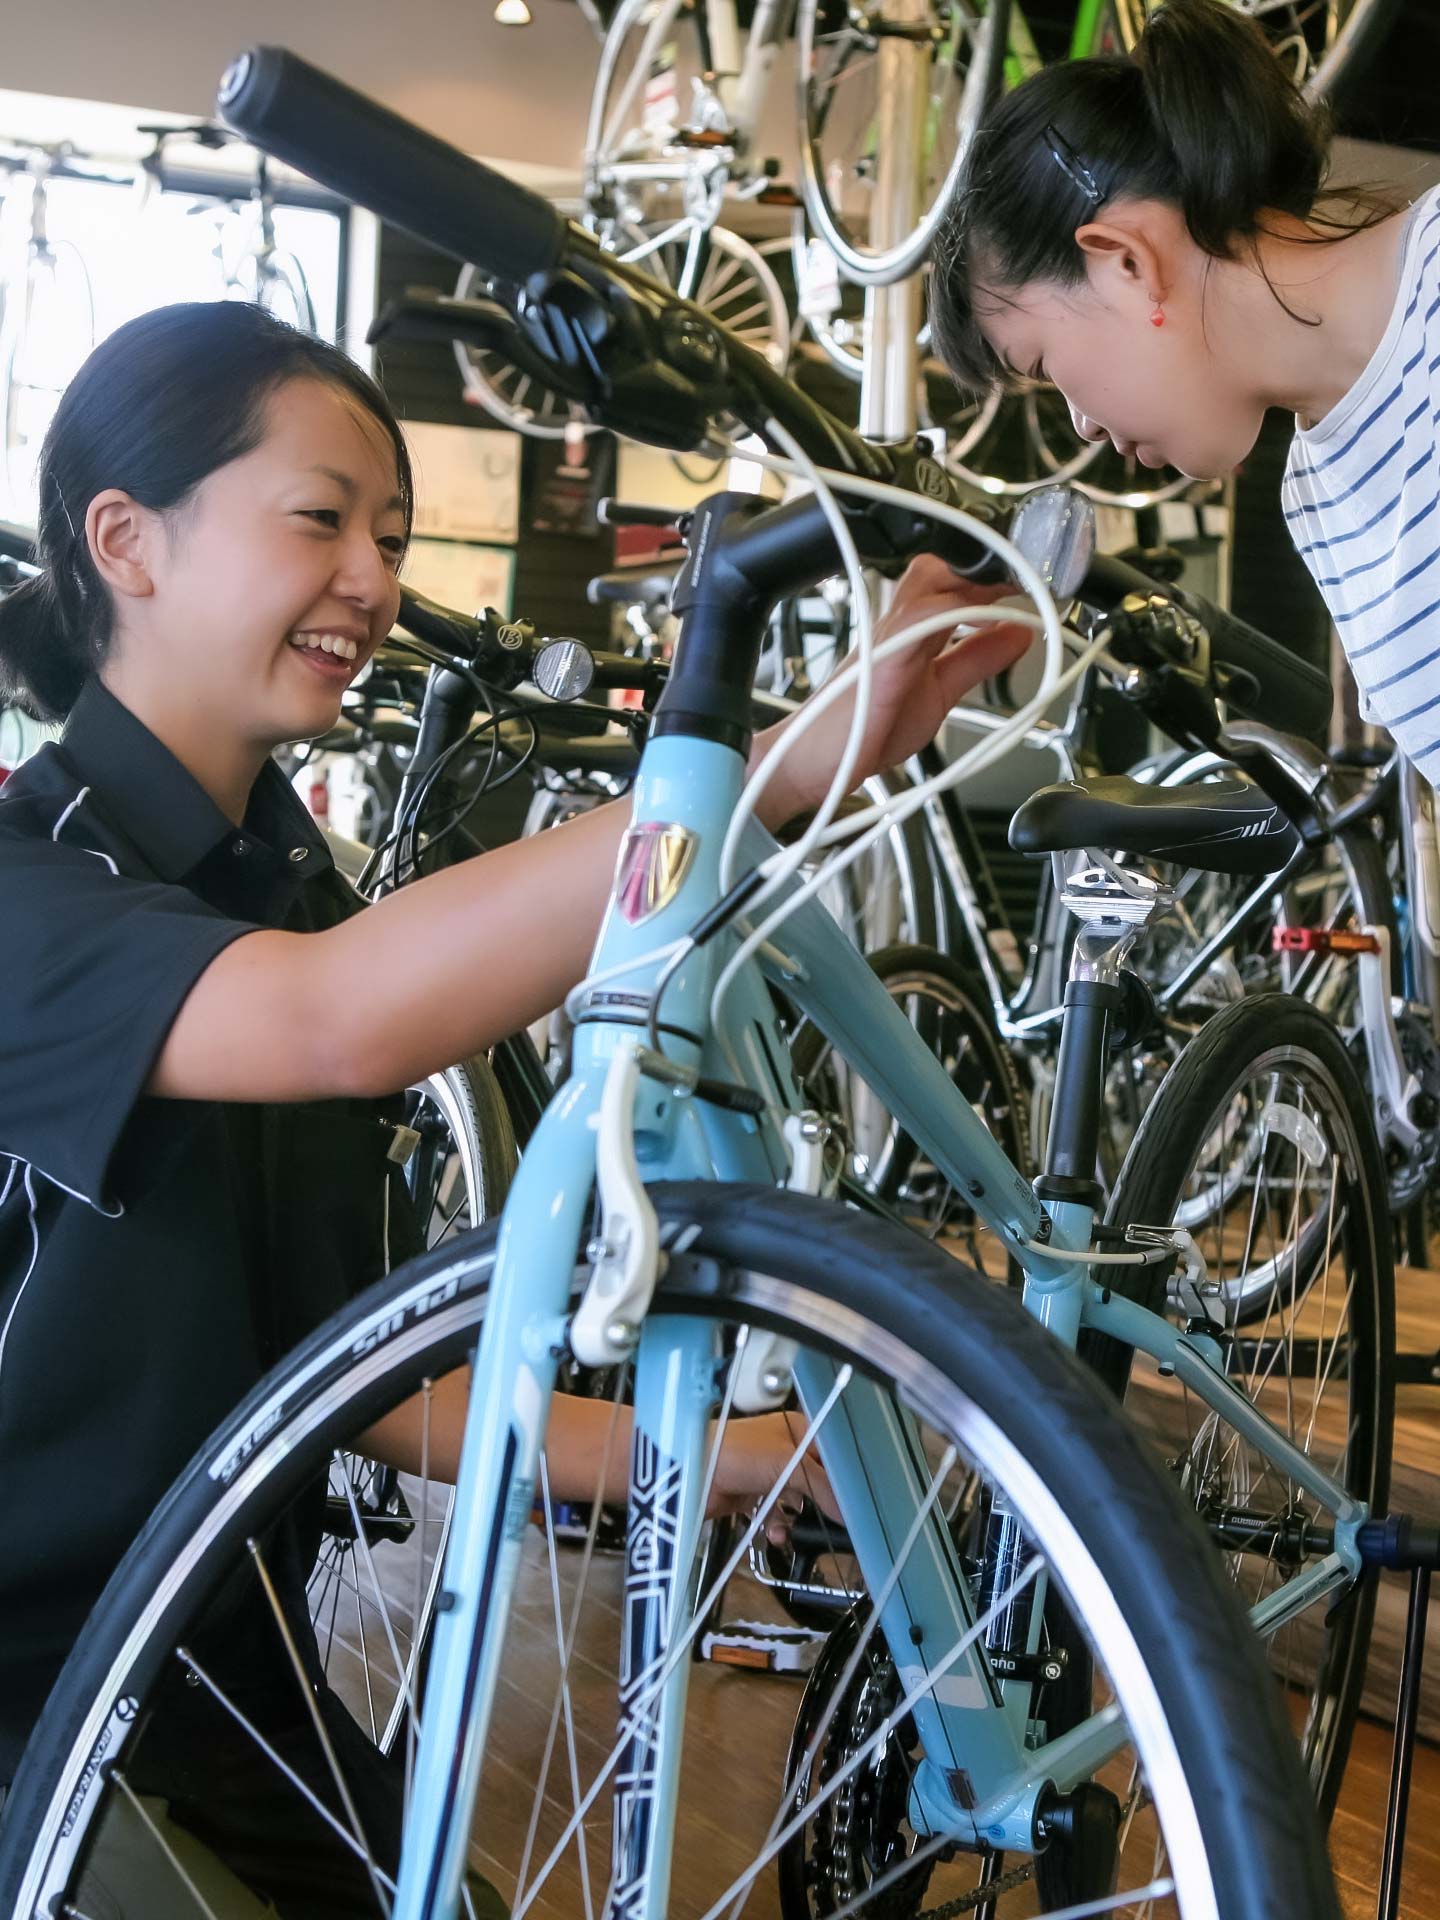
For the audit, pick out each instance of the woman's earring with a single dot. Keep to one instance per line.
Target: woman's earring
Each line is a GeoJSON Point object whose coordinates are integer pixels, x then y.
{"type": "Point", "coordinates": [1157, 314]}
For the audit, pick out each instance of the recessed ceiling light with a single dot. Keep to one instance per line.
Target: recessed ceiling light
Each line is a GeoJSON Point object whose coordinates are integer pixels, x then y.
{"type": "Point", "coordinates": [512, 13]}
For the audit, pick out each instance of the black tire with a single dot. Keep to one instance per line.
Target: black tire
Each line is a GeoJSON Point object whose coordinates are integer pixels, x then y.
{"type": "Point", "coordinates": [459, 1112]}
{"type": "Point", "coordinates": [951, 1011]}
{"type": "Point", "coordinates": [1274, 1032]}
{"type": "Point", "coordinates": [1087, 1492]}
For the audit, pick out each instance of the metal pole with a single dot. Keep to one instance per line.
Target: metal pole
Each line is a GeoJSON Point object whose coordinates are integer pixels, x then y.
{"type": "Point", "coordinates": [892, 314]}
{"type": "Point", "coordinates": [1393, 1859]}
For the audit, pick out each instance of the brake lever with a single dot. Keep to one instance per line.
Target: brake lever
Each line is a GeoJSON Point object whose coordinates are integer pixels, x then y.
{"type": "Point", "coordinates": [423, 313]}
{"type": "Point", "coordinates": [644, 361]}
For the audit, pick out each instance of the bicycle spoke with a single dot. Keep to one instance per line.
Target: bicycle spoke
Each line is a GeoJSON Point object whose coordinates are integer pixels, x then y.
{"type": "Point", "coordinates": [169, 1852]}
{"type": "Point", "coordinates": [417, 1602]}
{"type": "Point", "coordinates": [352, 1813]}
{"type": "Point", "coordinates": [363, 1538]}
{"type": "Point", "coordinates": [312, 1799]}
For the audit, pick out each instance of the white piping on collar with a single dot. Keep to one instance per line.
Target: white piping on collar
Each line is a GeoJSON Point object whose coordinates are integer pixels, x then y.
{"type": "Point", "coordinates": [55, 836]}
{"type": "Point", "coordinates": [34, 1259]}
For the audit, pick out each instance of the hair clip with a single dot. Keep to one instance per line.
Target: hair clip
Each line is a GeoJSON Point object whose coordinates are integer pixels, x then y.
{"type": "Point", "coordinates": [63, 508]}
{"type": "Point", "coordinates": [1072, 166]}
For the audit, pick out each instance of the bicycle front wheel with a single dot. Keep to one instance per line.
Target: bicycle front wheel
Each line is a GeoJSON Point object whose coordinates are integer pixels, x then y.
{"type": "Point", "coordinates": [1200, 1808]}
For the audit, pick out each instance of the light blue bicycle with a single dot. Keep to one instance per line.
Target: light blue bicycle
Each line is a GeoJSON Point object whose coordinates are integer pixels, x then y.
{"type": "Point", "coordinates": [1043, 1696]}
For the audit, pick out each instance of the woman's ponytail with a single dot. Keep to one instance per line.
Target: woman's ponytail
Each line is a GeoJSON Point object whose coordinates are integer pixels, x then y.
{"type": "Point", "coordinates": [42, 668]}
{"type": "Point", "coordinates": [1204, 117]}
{"type": "Point", "coordinates": [1242, 137]}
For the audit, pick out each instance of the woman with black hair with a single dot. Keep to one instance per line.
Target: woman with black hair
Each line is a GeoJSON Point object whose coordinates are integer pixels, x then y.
{"type": "Point", "coordinates": [1158, 237]}
{"type": "Point", "coordinates": [203, 1032]}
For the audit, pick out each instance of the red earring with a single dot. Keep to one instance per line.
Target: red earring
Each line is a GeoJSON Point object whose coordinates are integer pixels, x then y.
{"type": "Point", "coordinates": [1157, 316]}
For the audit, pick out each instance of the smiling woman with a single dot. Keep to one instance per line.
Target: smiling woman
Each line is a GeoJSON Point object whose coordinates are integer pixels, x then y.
{"type": "Point", "coordinates": [205, 1028]}
{"type": "Point", "coordinates": [173, 401]}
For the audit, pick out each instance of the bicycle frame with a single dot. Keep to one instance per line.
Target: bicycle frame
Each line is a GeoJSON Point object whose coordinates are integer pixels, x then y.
{"type": "Point", "coordinates": [1392, 1082]}
{"type": "Point", "coordinates": [980, 1726]}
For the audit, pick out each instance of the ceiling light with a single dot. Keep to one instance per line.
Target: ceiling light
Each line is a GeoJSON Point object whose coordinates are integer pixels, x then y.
{"type": "Point", "coordinates": [512, 13]}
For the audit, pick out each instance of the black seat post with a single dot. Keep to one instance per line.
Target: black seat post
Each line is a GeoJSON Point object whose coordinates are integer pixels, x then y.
{"type": "Point", "coordinates": [1113, 908]}
{"type": "Point", "coordinates": [1073, 1145]}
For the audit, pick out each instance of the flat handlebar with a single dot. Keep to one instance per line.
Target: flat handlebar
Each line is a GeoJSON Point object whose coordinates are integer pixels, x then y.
{"type": "Point", "coordinates": [349, 142]}
{"type": "Point", "coordinates": [1288, 691]}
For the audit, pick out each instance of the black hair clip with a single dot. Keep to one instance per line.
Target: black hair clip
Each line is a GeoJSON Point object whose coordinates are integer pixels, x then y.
{"type": "Point", "coordinates": [1073, 167]}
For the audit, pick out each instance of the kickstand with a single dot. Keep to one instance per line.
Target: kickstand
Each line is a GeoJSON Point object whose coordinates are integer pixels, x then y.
{"type": "Point", "coordinates": [1400, 1545]}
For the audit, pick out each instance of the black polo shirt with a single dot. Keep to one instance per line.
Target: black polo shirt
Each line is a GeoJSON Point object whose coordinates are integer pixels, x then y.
{"type": "Point", "coordinates": [156, 1256]}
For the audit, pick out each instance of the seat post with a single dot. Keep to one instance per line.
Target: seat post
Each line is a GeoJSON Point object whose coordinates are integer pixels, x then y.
{"type": "Point", "coordinates": [1070, 1151]}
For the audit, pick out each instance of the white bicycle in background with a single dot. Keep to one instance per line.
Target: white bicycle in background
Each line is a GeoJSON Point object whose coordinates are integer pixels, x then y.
{"type": "Point", "coordinates": [47, 313]}
{"type": "Point", "coordinates": [250, 264]}
{"type": "Point", "coordinates": [675, 135]}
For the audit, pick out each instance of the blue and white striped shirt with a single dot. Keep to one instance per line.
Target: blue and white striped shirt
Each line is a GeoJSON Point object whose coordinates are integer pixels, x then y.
{"type": "Point", "coordinates": [1362, 500]}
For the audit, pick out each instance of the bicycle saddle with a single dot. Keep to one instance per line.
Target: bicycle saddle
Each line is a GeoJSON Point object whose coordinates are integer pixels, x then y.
{"type": "Point", "coordinates": [649, 589]}
{"type": "Point", "coordinates": [1222, 826]}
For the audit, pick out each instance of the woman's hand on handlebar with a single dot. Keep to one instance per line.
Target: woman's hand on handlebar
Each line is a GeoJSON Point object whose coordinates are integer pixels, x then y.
{"type": "Point", "coordinates": [910, 693]}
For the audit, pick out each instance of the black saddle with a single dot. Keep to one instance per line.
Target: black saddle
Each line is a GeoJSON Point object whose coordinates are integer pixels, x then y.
{"type": "Point", "coordinates": [648, 587]}
{"type": "Point", "coordinates": [1220, 826]}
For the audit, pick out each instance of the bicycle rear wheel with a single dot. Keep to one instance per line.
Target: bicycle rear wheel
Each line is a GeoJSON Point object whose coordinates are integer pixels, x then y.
{"type": "Point", "coordinates": [1260, 1138]}
{"type": "Point", "coordinates": [1207, 1811]}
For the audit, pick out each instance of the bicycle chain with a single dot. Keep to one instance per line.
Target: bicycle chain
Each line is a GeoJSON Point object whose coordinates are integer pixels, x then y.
{"type": "Point", "coordinates": [978, 1896]}
{"type": "Point", "coordinates": [843, 1815]}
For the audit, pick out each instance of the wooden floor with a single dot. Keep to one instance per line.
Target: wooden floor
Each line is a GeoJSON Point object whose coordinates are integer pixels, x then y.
{"type": "Point", "coordinates": [1415, 1488]}
{"type": "Point", "coordinates": [740, 1723]}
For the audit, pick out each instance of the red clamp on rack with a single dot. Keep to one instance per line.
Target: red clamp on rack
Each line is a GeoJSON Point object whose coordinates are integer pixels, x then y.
{"type": "Point", "coordinates": [1322, 940]}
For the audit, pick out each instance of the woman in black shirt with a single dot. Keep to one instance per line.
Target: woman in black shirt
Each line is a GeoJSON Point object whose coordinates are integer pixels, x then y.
{"type": "Point", "coordinates": [203, 1032]}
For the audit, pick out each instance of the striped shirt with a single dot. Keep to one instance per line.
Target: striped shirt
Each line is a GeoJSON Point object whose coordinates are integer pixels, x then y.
{"type": "Point", "coordinates": [1362, 500]}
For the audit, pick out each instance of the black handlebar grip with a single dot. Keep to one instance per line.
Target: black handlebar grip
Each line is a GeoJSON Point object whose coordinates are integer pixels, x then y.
{"type": "Point", "coordinates": [1291, 694]}
{"type": "Point", "coordinates": [1294, 696]}
{"type": "Point", "coordinates": [362, 150]}
{"type": "Point", "coordinates": [443, 627]}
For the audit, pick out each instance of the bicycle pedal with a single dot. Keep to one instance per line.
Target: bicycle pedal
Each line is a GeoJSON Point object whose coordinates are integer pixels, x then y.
{"type": "Point", "coordinates": [763, 1647]}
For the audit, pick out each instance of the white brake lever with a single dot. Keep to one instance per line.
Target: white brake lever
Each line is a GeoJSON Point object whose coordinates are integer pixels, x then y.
{"type": "Point", "coordinates": [625, 1256]}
